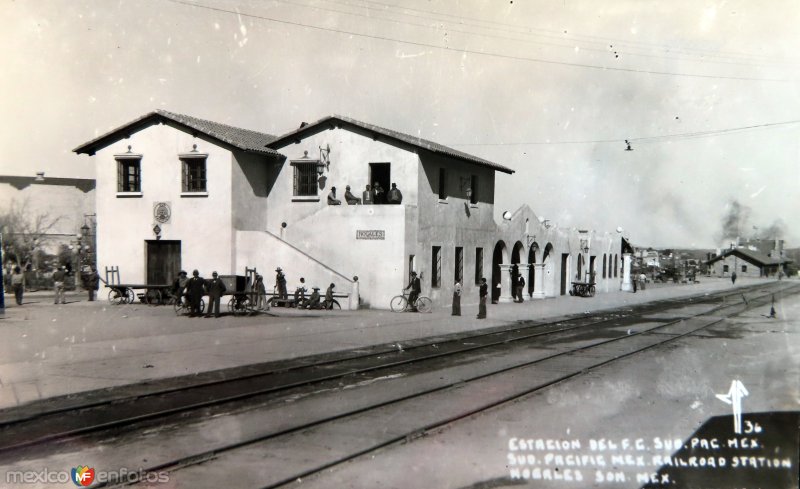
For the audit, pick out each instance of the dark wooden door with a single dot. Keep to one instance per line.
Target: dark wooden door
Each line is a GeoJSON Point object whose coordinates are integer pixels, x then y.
{"type": "Point", "coordinates": [163, 261]}
{"type": "Point", "coordinates": [564, 264]}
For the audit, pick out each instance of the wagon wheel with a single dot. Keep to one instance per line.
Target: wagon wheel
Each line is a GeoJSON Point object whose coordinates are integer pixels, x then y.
{"type": "Point", "coordinates": [232, 305]}
{"type": "Point", "coordinates": [115, 297]}
{"type": "Point", "coordinates": [591, 291]}
{"type": "Point", "coordinates": [130, 296]}
{"type": "Point", "coordinates": [241, 306]}
{"type": "Point", "coordinates": [152, 297]}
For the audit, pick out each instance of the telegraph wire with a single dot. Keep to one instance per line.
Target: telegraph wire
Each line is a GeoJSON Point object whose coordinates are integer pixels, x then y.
{"type": "Point", "coordinates": [475, 52]}
{"type": "Point", "coordinates": [604, 40]}
{"type": "Point", "coordinates": [606, 51]}
{"type": "Point", "coordinates": [643, 139]}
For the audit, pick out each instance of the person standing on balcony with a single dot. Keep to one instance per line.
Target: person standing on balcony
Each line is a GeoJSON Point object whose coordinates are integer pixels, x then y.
{"type": "Point", "coordinates": [368, 197]}
{"type": "Point", "coordinates": [379, 193]}
{"type": "Point", "coordinates": [394, 196]}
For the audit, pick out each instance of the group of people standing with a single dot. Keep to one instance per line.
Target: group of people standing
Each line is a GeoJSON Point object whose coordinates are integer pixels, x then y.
{"type": "Point", "coordinates": [372, 195]}
{"type": "Point", "coordinates": [194, 288]}
{"type": "Point", "coordinates": [483, 293]}
{"type": "Point", "coordinates": [91, 282]}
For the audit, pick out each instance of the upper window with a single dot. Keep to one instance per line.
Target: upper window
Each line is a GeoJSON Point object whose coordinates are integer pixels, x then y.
{"type": "Point", "coordinates": [305, 176]}
{"type": "Point", "coordinates": [473, 185]}
{"type": "Point", "coordinates": [193, 172]}
{"type": "Point", "coordinates": [744, 268]}
{"type": "Point", "coordinates": [442, 184]}
{"type": "Point", "coordinates": [129, 172]}
{"type": "Point", "coordinates": [436, 262]}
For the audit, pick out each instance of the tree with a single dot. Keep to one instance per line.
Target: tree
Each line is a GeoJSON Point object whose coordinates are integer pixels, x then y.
{"type": "Point", "coordinates": [24, 231]}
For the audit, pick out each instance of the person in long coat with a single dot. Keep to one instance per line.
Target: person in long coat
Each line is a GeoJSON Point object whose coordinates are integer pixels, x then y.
{"type": "Point", "coordinates": [93, 283]}
{"type": "Point", "coordinates": [216, 288]}
{"type": "Point", "coordinates": [457, 299]}
{"type": "Point", "coordinates": [484, 291]}
{"type": "Point", "coordinates": [280, 283]}
{"type": "Point", "coordinates": [195, 290]}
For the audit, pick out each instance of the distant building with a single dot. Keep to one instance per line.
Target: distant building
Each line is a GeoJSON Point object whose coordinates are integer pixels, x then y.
{"type": "Point", "coordinates": [177, 192]}
{"type": "Point", "coordinates": [746, 263]}
{"type": "Point", "coordinates": [70, 202]}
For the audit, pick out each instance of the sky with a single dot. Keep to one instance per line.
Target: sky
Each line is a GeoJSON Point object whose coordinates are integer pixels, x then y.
{"type": "Point", "coordinates": [705, 91]}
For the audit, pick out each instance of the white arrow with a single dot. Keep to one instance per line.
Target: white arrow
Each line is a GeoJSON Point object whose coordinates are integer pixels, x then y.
{"type": "Point", "coordinates": [734, 397]}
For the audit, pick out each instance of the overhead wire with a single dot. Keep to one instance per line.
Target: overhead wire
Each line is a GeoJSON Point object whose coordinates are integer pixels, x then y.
{"type": "Point", "coordinates": [642, 139]}
{"type": "Point", "coordinates": [572, 47]}
{"type": "Point", "coordinates": [605, 40]}
{"type": "Point", "coordinates": [476, 52]}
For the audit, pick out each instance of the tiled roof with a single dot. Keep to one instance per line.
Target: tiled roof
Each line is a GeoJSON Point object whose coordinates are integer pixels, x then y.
{"type": "Point", "coordinates": [399, 136]}
{"type": "Point", "coordinates": [752, 256]}
{"type": "Point", "coordinates": [243, 139]}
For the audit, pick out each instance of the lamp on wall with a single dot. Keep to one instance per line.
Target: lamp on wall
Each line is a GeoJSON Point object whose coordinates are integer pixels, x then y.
{"type": "Point", "coordinates": [466, 186]}
{"type": "Point", "coordinates": [324, 158]}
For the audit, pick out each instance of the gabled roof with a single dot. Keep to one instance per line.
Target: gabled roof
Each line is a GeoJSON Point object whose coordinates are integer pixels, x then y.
{"type": "Point", "coordinates": [754, 257]}
{"type": "Point", "coordinates": [418, 142]}
{"type": "Point", "coordinates": [238, 138]}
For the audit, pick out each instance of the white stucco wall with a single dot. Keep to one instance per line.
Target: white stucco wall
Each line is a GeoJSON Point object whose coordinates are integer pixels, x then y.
{"type": "Point", "coordinates": [202, 224]}
{"type": "Point", "coordinates": [350, 156]}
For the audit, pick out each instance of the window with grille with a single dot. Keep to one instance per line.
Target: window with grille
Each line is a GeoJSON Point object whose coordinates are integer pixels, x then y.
{"type": "Point", "coordinates": [194, 174]}
{"type": "Point", "coordinates": [478, 265]}
{"type": "Point", "coordinates": [129, 174]}
{"type": "Point", "coordinates": [473, 199]}
{"type": "Point", "coordinates": [436, 262]}
{"type": "Point", "coordinates": [459, 272]}
{"type": "Point", "coordinates": [305, 178]}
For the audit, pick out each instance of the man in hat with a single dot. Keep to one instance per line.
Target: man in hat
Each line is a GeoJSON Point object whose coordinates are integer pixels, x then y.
{"type": "Point", "coordinates": [93, 283]}
{"type": "Point", "coordinates": [415, 287]}
{"type": "Point", "coordinates": [379, 193]}
{"type": "Point", "coordinates": [280, 283]}
{"type": "Point", "coordinates": [332, 200]}
{"type": "Point", "coordinates": [179, 285]}
{"type": "Point", "coordinates": [300, 292]}
{"type": "Point", "coordinates": [483, 292]}
{"type": "Point", "coordinates": [216, 288]}
{"type": "Point", "coordinates": [350, 198]}
{"type": "Point", "coordinates": [195, 290]}
{"type": "Point", "coordinates": [394, 196]}
{"type": "Point", "coordinates": [313, 300]}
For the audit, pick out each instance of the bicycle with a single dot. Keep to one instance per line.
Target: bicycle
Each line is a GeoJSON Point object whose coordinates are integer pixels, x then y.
{"type": "Point", "coordinates": [181, 305]}
{"type": "Point", "coordinates": [399, 303]}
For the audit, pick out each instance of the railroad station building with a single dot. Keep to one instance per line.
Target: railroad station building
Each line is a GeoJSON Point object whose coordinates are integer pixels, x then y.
{"type": "Point", "coordinates": [177, 192]}
{"type": "Point", "coordinates": [749, 262]}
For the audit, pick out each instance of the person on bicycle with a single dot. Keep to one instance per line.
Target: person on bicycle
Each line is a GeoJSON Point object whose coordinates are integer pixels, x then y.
{"type": "Point", "coordinates": [328, 304]}
{"type": "Point", "coordinates": [179, 285]}
{"type": "Point", "coordinates": [195, 290]}
{"type": "Point", "coordinates": [416, 289]}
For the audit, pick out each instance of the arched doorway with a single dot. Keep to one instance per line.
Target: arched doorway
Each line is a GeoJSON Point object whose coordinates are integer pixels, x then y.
{"type": "Point", "coordinates": [516, 254]}
{"type": "Point", "coordinates": [548, 280]}
{"type": "Point", "coordinates": [499, 256]}
{"type": "Point", "coordinates": [532, 270]}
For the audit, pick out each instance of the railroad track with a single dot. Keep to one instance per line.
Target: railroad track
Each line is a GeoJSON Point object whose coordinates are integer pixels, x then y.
{"type": "Point", "coordinates": [560, 365]}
